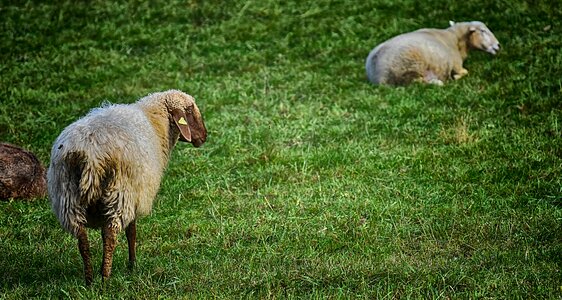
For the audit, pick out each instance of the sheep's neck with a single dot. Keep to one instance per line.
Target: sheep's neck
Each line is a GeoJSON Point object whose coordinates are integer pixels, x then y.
{"type": "Point", "coordinates": [463, 47]}
{"type": "Point", "coordinates": [159, 120]}
{"type": "Point", "coordinates": [173, 136]}
{"type": "Point", "coordinates": [461, 32]}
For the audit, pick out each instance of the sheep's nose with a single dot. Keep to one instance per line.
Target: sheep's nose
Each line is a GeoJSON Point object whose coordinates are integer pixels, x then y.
{"type": "Point", "coordinates": [497, 47]}
{"type": "Point", "coordinates": [198, 142]}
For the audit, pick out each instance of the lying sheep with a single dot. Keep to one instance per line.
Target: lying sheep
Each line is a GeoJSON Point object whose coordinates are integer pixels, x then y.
{"type": "Point", "coordinates": [21, 174]}
{"type": "Point", "coordinates": [428, 55]}
{"type": "Point", "coordinates": [106, 167]}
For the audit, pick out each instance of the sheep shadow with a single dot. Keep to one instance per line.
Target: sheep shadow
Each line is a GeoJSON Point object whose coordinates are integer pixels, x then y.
{"type": "Point", "coordinates": [27, 266]}
{"type": "Point", "coordinates": [35, 253]}
{"type": "Point", "coordinates": [56, 264]}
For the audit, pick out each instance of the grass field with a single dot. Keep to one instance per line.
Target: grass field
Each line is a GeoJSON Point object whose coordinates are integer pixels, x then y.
{"type": "Point", "coordinates": [313, 183]}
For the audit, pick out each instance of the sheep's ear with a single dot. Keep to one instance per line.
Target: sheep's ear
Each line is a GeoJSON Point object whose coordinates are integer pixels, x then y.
{"type": "Point", "coordinates": [451, 23]}
{"type": "Point", "coordinates": [472, 28]}
{"type": "Point", "coordinates": [196, 124]}
{"type": "Point", "coordinates": [180, 119]}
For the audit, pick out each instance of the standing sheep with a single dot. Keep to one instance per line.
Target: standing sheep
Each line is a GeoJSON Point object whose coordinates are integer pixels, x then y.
{"type": "Point", "coordinates": [428, 55]}
{"type": "Point", "coordinates": [21, 174]}
{"type": "Point", "coordinates": [106, 167]}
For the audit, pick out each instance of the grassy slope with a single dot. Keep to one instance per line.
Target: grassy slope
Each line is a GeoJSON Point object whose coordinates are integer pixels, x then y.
{"type": "Point", "coordinates": [313, 182]}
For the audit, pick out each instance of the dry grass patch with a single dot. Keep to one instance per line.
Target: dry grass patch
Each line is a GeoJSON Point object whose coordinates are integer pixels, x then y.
{"type": "Point", "coordinates": [459, 133]}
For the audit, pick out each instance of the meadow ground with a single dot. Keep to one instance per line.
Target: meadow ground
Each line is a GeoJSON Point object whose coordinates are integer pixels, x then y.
{"type": "Point", "coordinates": [313, 183]}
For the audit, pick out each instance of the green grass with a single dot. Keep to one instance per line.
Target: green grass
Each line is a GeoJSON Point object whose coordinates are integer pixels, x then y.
{"type": "Point", "coordinates": [313, 183]}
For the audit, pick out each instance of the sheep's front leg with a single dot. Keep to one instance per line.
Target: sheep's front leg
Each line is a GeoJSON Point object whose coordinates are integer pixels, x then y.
{"type": "Point", "coordinates": [459, 73]}
{"type": "Point", "coordinates": [84, 247]}
{"type": "Point", "coordinates": [109, 235]}
{"type": "Point", "coordinates": [131, 232]}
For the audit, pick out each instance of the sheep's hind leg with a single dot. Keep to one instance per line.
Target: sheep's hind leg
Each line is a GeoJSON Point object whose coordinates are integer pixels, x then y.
{"type": "Point", "coordinates": [109, 234]}
{"type": "Point", "coordinates": [84, 247]}
{"type": "Point", "coordinates": [430, 77]}
{"type": "Point", "coordinates": [131, 232]}
{"type": "Point", "coordinates": [460, 73]}
{"type": "Point", "coordinates": [435, 81]}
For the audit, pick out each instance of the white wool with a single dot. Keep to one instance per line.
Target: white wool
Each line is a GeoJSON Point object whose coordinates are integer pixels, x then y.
{"type": "Point", "coordinates": [428, 55]}
{"type": "Point", "coordinates": [113, 159]}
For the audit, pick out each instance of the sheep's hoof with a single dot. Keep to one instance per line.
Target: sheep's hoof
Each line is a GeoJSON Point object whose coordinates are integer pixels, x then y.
{"type": "Point", "coordinates": [104, 281]}
{"type": "Point", "coordinates": [131, 266]}
{"type": "Point", "coordinates": [88, 275]}
{"type": "Point", "coordinates": [89, 280]}
{"type": "Point", "coordinates": [460, 74]}
{"type": "Point", "coordinates": [435, 81]}
{"type": "Point", "coordinates": [105, 274]}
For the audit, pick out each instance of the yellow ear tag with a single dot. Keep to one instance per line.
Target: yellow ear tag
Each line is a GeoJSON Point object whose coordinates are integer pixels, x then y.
{"type": "Point", "coordinates": [182, 121]}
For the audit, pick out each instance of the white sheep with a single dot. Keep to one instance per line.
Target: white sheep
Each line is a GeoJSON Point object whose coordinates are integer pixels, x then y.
{"type": "Point", "coordinates": [106, 167]}
{"type": "Point", "coordinates": [428, 55]}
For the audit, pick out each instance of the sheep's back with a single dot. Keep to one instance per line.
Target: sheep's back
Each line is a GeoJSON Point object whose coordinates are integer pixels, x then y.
{"type": "Point", "coordinates": [408, 56]}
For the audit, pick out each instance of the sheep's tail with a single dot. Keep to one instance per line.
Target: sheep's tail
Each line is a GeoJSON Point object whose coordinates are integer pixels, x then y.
{"type": "Point", "coordinates": [75, 183]}
{"type": "Point", "coordinates": [375, 72]}
{"type": "Point", "coordinates": [93, 177]}
{"type": "Point", "coordinates": [63, 180]}
{"type": "Point", "coordinates": [370, 66]}
{"type": "Point", "coordinates": [97, 185]}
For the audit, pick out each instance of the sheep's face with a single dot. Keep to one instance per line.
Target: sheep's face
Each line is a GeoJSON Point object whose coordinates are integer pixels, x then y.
{"type": "Point", "coordinates": [187, 118]}
{"type": "Point", "coordinates": [482, 38]}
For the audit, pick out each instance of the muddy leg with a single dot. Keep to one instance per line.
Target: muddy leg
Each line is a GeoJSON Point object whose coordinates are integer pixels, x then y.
{"type": "Point", "coordinates": [131, 232]}
{"type": "Point", "coordinates": [109, 235]}
{"type": "Point", "coordinates": [84, 247]}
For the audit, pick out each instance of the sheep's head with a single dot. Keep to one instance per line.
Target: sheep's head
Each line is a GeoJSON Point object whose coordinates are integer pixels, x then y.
{"type": "Point", "coordinates": [187, 118]}
{"type": "Point", "coordinates": [480, 37]}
